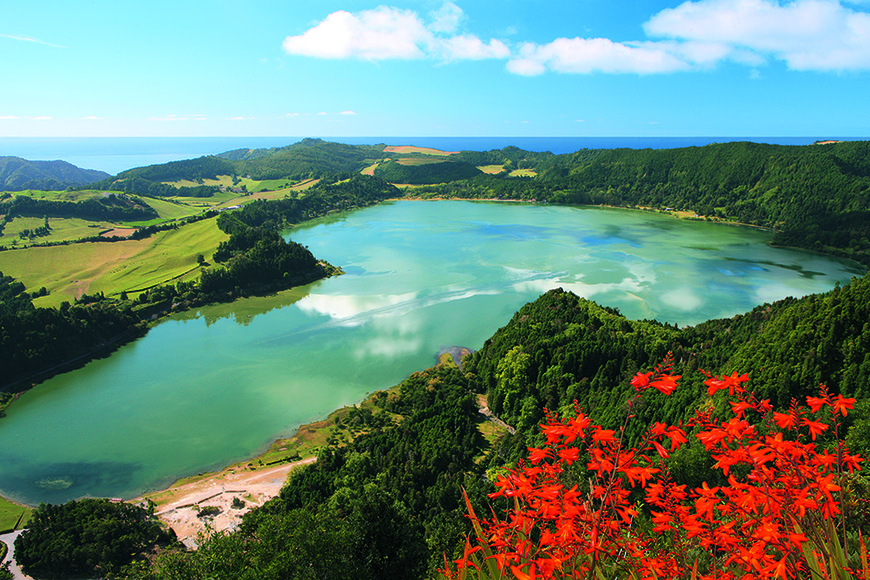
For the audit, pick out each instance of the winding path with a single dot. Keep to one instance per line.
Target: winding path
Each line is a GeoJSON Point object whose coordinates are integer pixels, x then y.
{"type": "Point", "coordinates": [9, 540]}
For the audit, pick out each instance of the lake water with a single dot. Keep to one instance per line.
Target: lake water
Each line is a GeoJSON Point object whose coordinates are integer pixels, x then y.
{"type": "Point", "coordinates": [207, 388]}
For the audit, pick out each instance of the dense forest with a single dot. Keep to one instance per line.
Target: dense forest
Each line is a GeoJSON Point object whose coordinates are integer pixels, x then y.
{"type": "Point", "coordinates": [18, 174]}
{"type": "Point", "coordinates": [88, 538]}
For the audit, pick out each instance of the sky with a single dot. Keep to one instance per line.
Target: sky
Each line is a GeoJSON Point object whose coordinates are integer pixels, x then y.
{"type": "Point", "coordinates": [435, 68]}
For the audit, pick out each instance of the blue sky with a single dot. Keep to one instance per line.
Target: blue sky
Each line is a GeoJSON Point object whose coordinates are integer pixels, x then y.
{"type": "Point", "coordinates": [433, 68]}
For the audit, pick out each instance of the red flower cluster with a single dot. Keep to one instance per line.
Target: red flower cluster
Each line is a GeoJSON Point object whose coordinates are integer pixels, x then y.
{"type": "Point", "coordinates": [778, 516]}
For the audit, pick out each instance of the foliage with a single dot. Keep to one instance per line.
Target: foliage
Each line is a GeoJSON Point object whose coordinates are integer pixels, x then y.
{"type": "Point", "coordinates": [87, 537]}
{"type": "Point", "coordinates": [778, 516]}
{"type": "Point", "coordinates": [257, 257]}
{"type": "Point", "coordinates": [423, 459]}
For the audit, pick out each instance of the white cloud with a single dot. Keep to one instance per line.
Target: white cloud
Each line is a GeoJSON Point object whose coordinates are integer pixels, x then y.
{"type": "Point", "coordinates": [389, 33]}
{"type": "Point", "coordinates": [30, 39]}
{"type": "Point", "coordinates": [468, 47]}
{"type": "Point", "coordinates": [9, 117]}
{"type": "Point", "coordinates": [41, 118]}
{"type": "Point", "coordinates": [817, 35]}
{"type": "Point", "coordinates": [240, 118]}
{"type": "Point", "coordinates": [447, 18]}
{"type": "Point", "coordinates": [588, 55]}
{"type": "Point", "coordinates": [380, 34]}
{"type": "Point", "coordinates": [348, 113]}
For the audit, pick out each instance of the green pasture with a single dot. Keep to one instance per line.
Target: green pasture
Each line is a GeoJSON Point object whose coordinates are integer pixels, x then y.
{"type": "Point", "coordinates": [419, 160]}
{"type": "Point", "coordinates": [62, 229]}
{"type": "Point", "coordinates": [60, 195]}
{"type": "Point", "coordinates": [12, 515]}
{"type": "Point", "coordinates": [130, 265]}
{"type": "Point", "coordinates": [523, 173]}
{"type": "Point", "coordinates": [172, 208]}
{"type": "Point", "coordinates": [224, 180]}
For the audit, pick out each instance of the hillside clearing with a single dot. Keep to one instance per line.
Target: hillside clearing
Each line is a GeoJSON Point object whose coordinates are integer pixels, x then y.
{"type": "Point", "coordinates": [405, 149]}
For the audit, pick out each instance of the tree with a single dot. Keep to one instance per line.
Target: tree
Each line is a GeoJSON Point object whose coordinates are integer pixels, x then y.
{"type": "Point", "coordinates": [87, 538]}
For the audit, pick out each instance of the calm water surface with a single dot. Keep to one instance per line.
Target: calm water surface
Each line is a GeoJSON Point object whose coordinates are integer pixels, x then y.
{"type": "Point", "coordinates": [210, 387]}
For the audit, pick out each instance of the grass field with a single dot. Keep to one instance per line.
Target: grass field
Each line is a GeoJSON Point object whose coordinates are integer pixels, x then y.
{"type": "Point", "coordinates": [69, 271]}
{"type": "Point", "coordinates": [419, 160]}
{"type": "Point", "coordinates": [523, 173]}
{"type": "Point", "coordinates": [10, 513]}
{"type": "Point", "coordinates": [62, 229]}
{"type": "Point", "coordinates": [410, 149]}
{"type": "Point", "coordinates": [59, 195]}
{"type": "Point", "coordinates": [172, 208]}
{"type": "Point", "coordinates": [251, 185]}
{"type": "Point", "coordinates": [491, 169]}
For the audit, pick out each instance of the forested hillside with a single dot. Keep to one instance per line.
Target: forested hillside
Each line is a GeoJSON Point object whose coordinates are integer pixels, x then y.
{"type": "Point", "coordinates": [18, 174]}
{"type": "Point", "coordinates": [307, 158]}
{"type": "Point", "coordinates": [439, 171]}
{"type": "Point", "coordinates": [562, 348]}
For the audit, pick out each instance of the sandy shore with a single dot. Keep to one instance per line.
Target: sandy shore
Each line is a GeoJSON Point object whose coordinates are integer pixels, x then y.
{"type": "Point", "coordinates": [180, 505]}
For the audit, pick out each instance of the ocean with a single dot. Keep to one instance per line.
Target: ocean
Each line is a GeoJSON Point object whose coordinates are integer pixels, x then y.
{"type": "Point", "coordinates": [116, 154]}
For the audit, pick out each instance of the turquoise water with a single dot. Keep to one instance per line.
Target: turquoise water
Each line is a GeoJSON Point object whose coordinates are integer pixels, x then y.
{"type": "Point", "coordinates": [206, 388]}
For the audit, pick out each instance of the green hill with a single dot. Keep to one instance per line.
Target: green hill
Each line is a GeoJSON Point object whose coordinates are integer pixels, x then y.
{"type": "Point", "coordinates": [307, 158]}
{"type": "Point", "coordinates": [18, 174]}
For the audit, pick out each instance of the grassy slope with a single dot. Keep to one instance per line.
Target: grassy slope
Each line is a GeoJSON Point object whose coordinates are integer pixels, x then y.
{"type": "Point", "coordinates": [59, 195]}
{"type": "Point", "coordinates": [62, 229]}
{"type": "Point", "coordinates": [10, 513]}
{"type": "Point", "coordinates": [67, 271]}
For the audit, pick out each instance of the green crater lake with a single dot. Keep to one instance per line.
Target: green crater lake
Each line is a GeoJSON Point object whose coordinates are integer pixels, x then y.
{"type": "Point", "coordinates": [213, 386]}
